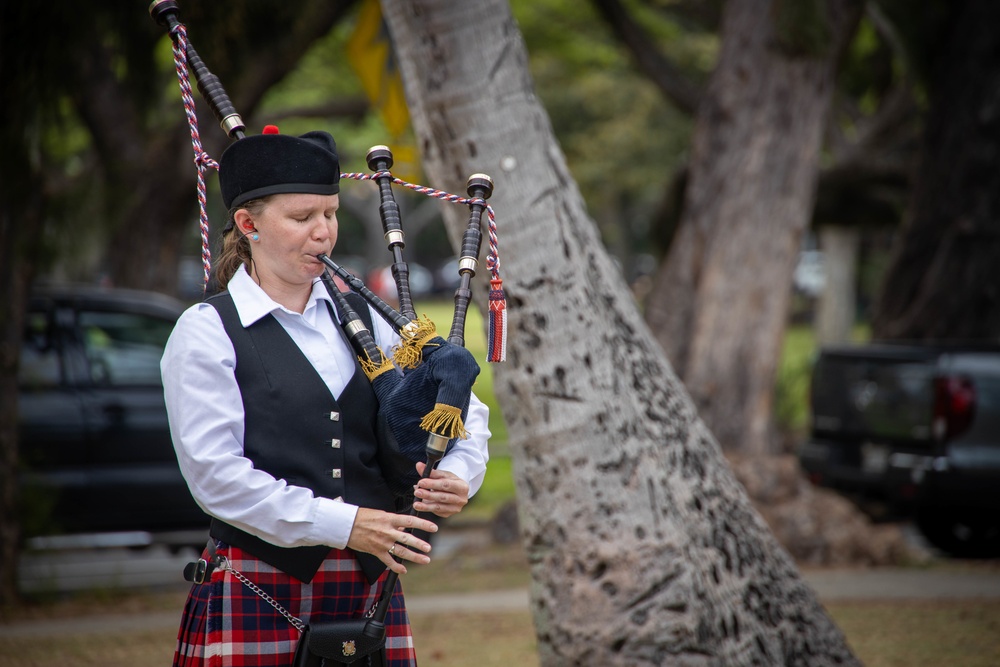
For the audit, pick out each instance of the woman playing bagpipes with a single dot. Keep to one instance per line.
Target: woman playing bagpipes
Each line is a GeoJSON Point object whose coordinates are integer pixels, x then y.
{"type": "Point", "coordinates": [276, 429]}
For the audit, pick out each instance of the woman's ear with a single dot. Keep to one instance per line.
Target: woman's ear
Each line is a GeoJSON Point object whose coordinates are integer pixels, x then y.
{"type": "Point", "coordinates": [243, 221]}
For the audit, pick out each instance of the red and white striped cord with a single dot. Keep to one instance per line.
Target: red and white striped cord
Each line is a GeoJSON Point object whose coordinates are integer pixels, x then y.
{"type": "Point", "coordinates": [202, 160]}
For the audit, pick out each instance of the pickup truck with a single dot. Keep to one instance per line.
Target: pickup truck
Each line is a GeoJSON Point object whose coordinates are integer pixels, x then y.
{"type": "Point", "coordinates": [912, 432]}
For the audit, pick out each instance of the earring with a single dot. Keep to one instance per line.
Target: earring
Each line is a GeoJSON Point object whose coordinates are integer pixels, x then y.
{"type": "Point", "coordinates": [255, 237]}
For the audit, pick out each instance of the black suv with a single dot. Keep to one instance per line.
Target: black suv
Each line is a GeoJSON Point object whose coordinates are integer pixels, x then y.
{"type": "Point", "coordinates": [95, 446]}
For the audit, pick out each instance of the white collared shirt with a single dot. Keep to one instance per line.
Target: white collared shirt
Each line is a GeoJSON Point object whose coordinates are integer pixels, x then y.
{"type": "Point", "coordinates": [205, 411]}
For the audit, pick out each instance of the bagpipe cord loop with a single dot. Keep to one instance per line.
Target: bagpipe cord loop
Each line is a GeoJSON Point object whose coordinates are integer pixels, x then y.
{"type": "Point", "coordinates": [202, 161]}
{"type": "Point", "coordinates": [497, 333]}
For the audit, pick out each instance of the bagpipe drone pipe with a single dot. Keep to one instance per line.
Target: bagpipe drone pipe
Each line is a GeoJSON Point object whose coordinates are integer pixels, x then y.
{"type": "Point", "coordinates": [425, 388]}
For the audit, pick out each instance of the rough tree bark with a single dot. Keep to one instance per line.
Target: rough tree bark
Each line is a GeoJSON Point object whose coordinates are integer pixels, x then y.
{"type": "Point", "coordinates": [719, 304]}
{"type": "Point", "coordinates": [21, 230]}
{"type": "Point", "coordinates": [942, 281]}
{"type": "Point", "coordinates": [644, 550]}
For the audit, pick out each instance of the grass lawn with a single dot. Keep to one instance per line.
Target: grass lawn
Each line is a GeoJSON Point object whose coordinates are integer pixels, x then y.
{"type": "Point", "coordinates": [924, 633]}
{"type": "Point", "coordinates": [912, 634]}
{"type": "Point", "coordinates": [909, 634]}
{"type": "Point", "coordinates": [932, 633]}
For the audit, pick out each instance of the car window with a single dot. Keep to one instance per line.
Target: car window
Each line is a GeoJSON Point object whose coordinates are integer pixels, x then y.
{"type": "Point", "coordinates": [124, 349]}
{"type": "Point", "coordinates": [39, 366]}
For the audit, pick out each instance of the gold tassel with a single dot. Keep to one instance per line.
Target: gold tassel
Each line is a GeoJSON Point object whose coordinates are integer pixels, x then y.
{"type": "Point", "coordinates": [373, 370]}
{"type": "Point", "coordinates": [408, 353]}
{"type": "Point", "coordinates": [444, 420]}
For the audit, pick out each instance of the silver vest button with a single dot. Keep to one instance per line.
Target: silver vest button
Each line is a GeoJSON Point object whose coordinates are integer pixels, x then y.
{"type": "Point", "coordinates": [335, 473]}
{"type": "Point", "coordinates": [335, 416]}
{"type": "Point", "coordinates": [335, 443]}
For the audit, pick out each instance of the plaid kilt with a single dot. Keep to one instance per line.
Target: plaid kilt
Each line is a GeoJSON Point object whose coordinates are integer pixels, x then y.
{"type": "Point", "coordinates": [225, 624]}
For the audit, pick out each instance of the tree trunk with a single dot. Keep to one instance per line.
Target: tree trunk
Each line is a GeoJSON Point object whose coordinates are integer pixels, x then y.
{"type": "Point", "coordinates": [835, 311]}
{"type": "Point", "coordinates": [942, 280]}
{"type": "Point", "coordinates": [156, 215]}
{"type": "Point", "coordinates": [21, 233]}
{"type": "Point", "coordinates": [720, 302]}
{"type": "Point", "coordinates": [644, 549]}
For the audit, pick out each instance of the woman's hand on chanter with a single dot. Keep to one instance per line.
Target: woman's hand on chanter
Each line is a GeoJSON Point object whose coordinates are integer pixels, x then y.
{"type": "Point", "coordinates": [383, 534]}
{"type": "Point", "coordinates": [443, 493]}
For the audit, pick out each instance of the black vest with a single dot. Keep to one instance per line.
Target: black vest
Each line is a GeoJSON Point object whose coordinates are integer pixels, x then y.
{"type": "Point", "coordinates": [292, 425]}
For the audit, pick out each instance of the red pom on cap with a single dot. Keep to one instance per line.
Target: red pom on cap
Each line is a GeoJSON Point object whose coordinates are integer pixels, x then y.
{"type": "Point", "coordinates": [270, 129]}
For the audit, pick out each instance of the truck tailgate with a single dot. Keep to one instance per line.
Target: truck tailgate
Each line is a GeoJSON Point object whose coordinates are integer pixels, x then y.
{"type": "Point", "coordinates": [886, 395]}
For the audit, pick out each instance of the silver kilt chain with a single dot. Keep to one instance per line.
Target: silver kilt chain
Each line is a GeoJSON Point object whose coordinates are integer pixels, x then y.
{"type": "Point", "coordinates": [296, 622]}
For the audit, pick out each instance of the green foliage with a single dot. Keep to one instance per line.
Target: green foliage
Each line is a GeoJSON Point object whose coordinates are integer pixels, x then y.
{"type": "Point", "coordinates": [321, 75]}
{"type": "Point", "coordinates": [791, 390]}
{"type": "Point", "coordinates": [868, 68]}
{"type": "Point", "coordinates": [622, 140]}
{"type": "Point", "coordinates": [325, 75]}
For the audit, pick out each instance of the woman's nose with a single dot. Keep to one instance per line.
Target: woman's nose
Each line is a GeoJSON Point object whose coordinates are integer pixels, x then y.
{"type": "Point", "coordinates": [321, 230]}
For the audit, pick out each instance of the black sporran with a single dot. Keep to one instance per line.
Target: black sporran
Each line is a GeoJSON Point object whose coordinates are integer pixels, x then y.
{"type": "Point", "coordinates": [355, 642]}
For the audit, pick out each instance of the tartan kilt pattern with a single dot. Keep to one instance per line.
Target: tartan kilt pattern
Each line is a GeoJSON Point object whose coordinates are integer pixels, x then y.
{"type": "Point", "coordinates": [225, 624]}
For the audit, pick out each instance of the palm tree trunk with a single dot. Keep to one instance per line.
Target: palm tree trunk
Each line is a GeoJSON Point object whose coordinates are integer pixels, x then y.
{"type": "Point", "coordinates": [644, 550]}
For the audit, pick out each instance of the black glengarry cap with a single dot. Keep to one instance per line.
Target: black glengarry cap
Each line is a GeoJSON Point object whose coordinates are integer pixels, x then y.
{"type": "Point", "coordinates": [273, 163]}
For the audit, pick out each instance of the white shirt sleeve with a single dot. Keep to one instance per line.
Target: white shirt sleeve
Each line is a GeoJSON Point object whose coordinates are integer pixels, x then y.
{"type": "Point", "coordinates": [205, 412]}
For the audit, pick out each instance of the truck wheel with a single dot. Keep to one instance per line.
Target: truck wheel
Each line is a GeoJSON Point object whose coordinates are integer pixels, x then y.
{"type": "Point", "coordinates": [971, 534]}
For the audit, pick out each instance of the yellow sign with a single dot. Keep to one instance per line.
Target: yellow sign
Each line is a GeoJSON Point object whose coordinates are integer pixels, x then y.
{"type": "Point", "coordinates": [369, 50]}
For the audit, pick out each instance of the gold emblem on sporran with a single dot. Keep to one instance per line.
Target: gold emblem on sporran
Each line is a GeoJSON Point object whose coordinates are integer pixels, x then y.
{"type": "Point", "coordinates": [350, 648]}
